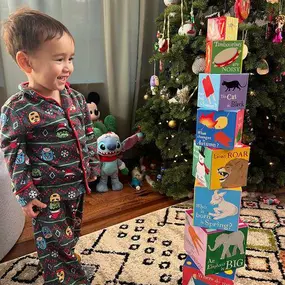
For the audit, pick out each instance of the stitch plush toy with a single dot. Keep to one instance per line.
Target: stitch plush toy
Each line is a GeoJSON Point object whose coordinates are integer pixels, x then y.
{"type": "Point", "coordinates": [109, 148]}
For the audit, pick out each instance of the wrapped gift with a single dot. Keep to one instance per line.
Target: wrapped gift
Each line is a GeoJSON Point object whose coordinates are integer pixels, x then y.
{"type": "Point", "coordinates": [222, 91]}
{"type": "Point", "coordinates": [215, 251]}
{"type": "Point", "coordinates": [219, 129]}
{"type": "Point", "coordinates": [224, 57]}
{"type": "Point", "coordinates": [192, 275]}
{"type": "Point", "coordinates": [222, 28]}
{"type": "Point", "coordinates": [218, 168]}
{"type": "Point", "coordinates": [216, 209]}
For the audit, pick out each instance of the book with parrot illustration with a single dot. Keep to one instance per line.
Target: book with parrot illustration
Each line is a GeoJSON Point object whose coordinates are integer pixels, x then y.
{"type": "Point", "coordinates": [219, 129]}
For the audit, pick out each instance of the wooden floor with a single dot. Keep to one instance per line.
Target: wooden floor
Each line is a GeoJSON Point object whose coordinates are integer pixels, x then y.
{"type": "Point", "coordinates": [101, 211]}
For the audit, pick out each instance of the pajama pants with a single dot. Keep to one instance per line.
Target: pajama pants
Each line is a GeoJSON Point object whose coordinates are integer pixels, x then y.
{"type": "Point", "coordinates": [56, 232]}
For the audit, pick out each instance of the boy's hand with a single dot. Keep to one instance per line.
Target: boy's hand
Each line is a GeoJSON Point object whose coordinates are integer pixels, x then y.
{"type": "Point", "coordinates": [92, 178]}
{"type": "Point", "coordinates": [29, 211]}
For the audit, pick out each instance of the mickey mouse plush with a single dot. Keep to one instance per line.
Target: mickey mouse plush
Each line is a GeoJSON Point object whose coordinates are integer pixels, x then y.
{"type": "Point", "coordinates": [93, 100]}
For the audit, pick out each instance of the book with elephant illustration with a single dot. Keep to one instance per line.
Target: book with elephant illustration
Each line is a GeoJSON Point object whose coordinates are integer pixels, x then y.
{"type": "Point", "coordinates": [219, 168]}
{"type": "Point", "coordinates": [213, 250]}
{"type": "Point", "coordinates": [219, 129]}
{"type": "Point", "coordinates": [218, 209]}
{"type": "Point", "coordinates": [222, 91]}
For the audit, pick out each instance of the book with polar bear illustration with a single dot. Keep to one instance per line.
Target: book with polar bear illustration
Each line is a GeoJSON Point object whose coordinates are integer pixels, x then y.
{"type": "Point", "coordinates": [218, 209]}
{"type": "Point", "coordinates": [214, 251]}
{"type": "Point", "coordinates": [219, 168]}
{"type": "Point", "coordinates": [193, 276]}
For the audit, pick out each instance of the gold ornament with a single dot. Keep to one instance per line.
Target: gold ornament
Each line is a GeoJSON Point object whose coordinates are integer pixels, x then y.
{"type": "Point", "coordinates": [244, 51]}
{"type": "Point", "coordinates": [252, 93]}
{"type": "Point", "coordinates": [145, 96]}
{"type": "Point", "coordinates": [172, 124]}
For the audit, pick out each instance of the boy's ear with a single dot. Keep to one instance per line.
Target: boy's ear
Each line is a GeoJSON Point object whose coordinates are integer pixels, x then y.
{"type": "Point", "coordinates": [23, 61]}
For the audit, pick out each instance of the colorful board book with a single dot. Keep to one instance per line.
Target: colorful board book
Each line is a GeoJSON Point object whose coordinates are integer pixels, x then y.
{"type": "Point", "coordinates": [224, 57]}
{"type": "Point", "coordinates": [218, 168]}
{"type": "Point", "coordinates": [222, 91]}
{"type": "Point", "coordinates": [214, 251]}
{"type": "Point", "coordinates": [219, 129]}
{"type": "Point", "coordinates": [193, 276]}
{"type": "Point", "coordinates": [222, 28]}
{"type": "Point", "coordinates": [218, 209]}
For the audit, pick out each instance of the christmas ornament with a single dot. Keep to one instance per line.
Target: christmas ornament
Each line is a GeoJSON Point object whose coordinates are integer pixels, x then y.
{"type": "Point", "coordinates": [145, 96]}
{"type": "Point", "coordinates": [242, 9]}
{"type": "Point", "coordinates": [272, 1]}
{"type": "Point", "coordinates": [244, 51]}
{"type": "Point", "coordinates": [154, 83]}
{"type": "Point", "coordinates": [280, 20]}
{"type": "Point", "coordinates": [156, 46]}
{"type": "Point", "coordinates": [199, 64]}
{"type": "Point", "coordinates": [183, 95]}
{"type": "Point", "coordinates": [162, 42]}
{"type": "Point", "coordinates": [187, 29]}
{"type": "Point", "coordinates": [262, 67]}
{"type": "Point", "coordinates": [161, 65]}
{"type": "Point", "coordinates": [172, 124]}
{"type": "Point", "coordinates": [245, 48]}
{"type": "Point", "coordinates": [171, 2]}
{"type": "Point", "coordinates": [162, 45]}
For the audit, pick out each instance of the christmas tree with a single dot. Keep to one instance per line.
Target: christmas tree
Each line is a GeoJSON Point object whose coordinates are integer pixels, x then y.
{"type": "Point", "coordinates": [168, 117]}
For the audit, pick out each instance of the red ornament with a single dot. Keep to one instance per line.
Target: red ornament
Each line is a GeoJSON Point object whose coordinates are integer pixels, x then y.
{"type": "Point", "coordinates": [242, 9]}
{"type": "Point", "coordinates": [163, 45]}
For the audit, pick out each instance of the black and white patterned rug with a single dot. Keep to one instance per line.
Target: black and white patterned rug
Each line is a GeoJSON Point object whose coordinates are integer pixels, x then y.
{"type": "Point", "coordinates": [149, 250]}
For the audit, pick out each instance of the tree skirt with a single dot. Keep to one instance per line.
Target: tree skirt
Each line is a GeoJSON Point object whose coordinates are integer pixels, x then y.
{"type": "Point", "coordinates": [149, 250]}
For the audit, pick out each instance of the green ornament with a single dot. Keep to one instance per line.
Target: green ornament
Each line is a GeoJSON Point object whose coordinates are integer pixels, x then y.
{"type": "Point", "coordinates": [156, 46]}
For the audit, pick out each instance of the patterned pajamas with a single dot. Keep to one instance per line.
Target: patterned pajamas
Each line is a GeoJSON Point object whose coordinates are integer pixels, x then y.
{"type": "Point", "coordinates": [56, 231]}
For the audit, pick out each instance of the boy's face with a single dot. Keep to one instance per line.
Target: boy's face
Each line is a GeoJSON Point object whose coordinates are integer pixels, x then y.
{"type": "Point", "coordinates": [52, 64]}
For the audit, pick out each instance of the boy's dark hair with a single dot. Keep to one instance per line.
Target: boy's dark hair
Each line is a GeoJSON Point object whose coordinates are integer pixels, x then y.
{"type": "Point", "coordinates": [26, 29]}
